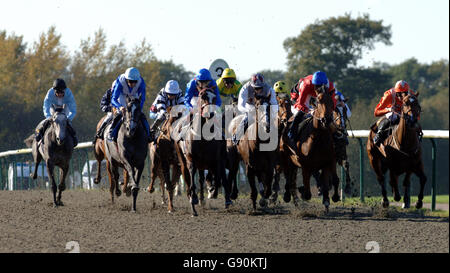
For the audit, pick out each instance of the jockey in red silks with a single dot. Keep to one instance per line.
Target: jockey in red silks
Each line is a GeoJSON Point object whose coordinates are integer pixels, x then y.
{"type": "Point", "coordinates": [390, 106]}
{"type": "Point", "coordinates": [306, 89]}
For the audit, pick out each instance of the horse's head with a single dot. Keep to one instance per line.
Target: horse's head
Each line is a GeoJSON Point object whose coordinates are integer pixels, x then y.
{"type": "Point", "coordinates": [324, 107]}
{"type": "Point", "coordinates": [284, 108]}
{"type": "Point", "coordinates": [132, 115]}
{"type": "Point", "coordinates": [411, 108]}
{"type": "Point", "coordinates": [263, 103]}
{"type": "Point", "coordinates": [206, 98]}
{"type": "Point", "coordinates": [59, 122]}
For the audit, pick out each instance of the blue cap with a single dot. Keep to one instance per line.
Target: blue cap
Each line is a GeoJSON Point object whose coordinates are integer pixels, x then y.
{"type": "Point", "coordinates": [319, 78]}
{"type": "Point", "coordinates": [204, 75]}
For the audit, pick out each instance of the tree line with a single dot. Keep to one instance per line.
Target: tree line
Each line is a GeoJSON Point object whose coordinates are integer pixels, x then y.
{"type": "Point", "coordinates": [334, 45]}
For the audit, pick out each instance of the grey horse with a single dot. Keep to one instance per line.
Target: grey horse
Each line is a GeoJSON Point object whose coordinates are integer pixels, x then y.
{"type": "Point", "coordinates": [130, 150]}
{"type": "Point", "coordinates": [55, 149]}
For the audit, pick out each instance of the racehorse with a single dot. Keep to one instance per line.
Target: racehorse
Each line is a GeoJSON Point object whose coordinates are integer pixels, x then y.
{"type": "Point", "coordinates": [201, 149]}
{"type": "Point", "coordinates": [130, 150]}
{"type": "Point", "coordinates": [55, 149]}
{"type": "Point", "coordinates": [259, 162]}
{"type": "Point", "coordinates": [99, 153]}
{"type": "Point", "coordinates": [283, 165]}
{"type": "Point", "coordinates": [162, 157]}
{"type": "Point", "coordinates": [400, 153]}
{"type": "Point", "coordinates": [314, 151]}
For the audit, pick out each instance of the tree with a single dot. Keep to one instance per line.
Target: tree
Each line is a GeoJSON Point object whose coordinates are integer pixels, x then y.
{"type": "Point", "coordinates": [333, 45]}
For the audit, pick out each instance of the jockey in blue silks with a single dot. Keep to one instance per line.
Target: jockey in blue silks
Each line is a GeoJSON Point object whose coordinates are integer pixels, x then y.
{"type": "Point", "coordinates": [201, 81]}
{"type": "Point", "coordinates": [130, 84]}
{"type": "Point", "coordinates": [58, 95]}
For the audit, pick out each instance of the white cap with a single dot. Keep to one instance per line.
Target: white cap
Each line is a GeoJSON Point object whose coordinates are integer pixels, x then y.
{"type": "Point", "coordinates": [133, 74]}
{"type": "Point", "coordinates": [172, 88]}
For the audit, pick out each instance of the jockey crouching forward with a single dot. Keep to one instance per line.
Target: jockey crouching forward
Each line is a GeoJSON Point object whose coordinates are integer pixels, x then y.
{"type": "Point", "coordinates": [255, 88]}
{"type": "Point", "coordinates": [201, 81]}
{"type": "Point", "coordinates": [228, 85]}
{"type": "Point", "coordinates": [307, 87]}
{"type": "Point", "coordinates": [105, 106]}
{"type": "Point", "coordinates": [390, 107]}
{"type": "Point", "coordinates": [169, 96]}
{"type": "Point", "coordinates": [58, 95]}
{"type": "Point", "coordinates": [129, 84]}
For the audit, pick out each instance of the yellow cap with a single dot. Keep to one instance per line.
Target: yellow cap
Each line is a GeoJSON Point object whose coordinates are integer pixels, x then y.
{"type": "Point", "coordinates": [228, 73]}
{"type": "Point", "coordinates": [280, 87]}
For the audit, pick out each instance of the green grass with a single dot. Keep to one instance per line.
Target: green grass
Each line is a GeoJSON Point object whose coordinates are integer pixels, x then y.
{"type": "Point", "coordinates": [440, 199]}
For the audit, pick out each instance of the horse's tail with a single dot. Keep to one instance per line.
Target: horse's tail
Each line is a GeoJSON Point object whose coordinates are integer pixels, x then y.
{"type": "Point", "coordinates": [29, 141]}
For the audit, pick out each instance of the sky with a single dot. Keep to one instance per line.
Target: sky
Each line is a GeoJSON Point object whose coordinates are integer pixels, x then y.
{"type": "Point", "coordinates": [248, 34]}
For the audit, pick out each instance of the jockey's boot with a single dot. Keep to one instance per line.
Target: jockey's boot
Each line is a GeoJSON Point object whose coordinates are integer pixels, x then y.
{"type": "Point", "coordinates": [382, 132]}
{"type": "Point", "coordinates": [40, 130]}
{"type": "Point", "coordinates": [115, 123]}
{"type": "Point", "coordinates": [147, 128]}
{"type": "Point", "coordinates": [73, 134]}
{"type": "Point", "coordinates": [240, 130]}
{"type": "Point", "coordinates": [293, 130]}
{"type": "Point", "coordinates": [99, 133]}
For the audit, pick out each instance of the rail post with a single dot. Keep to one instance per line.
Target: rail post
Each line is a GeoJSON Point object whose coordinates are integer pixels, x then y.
{"type": "Point", "coordinates": [361, 170]}
{"type": "Point", "coordinates": [433, 174]}
{"type": "Point", "coordinates": [88, 170]}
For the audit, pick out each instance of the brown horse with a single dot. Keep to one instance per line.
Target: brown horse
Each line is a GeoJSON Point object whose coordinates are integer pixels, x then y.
{"type": "Point", "coordinates": [259, 162]}
{"type": "Point", "coordinates": [202, 149]}
{"type": "Point", "coordinates": [400, 153]}
{"type": "Point", "coordinates": [99, 153]}
{"type": "Point", "coordinates": [340, 146]}
{"type": "Point", "coordinates": [314, 151]}
{"type": "Point", "coordinates": [163, 157]}
{"type": "Point", "coordinates": [283, 165]}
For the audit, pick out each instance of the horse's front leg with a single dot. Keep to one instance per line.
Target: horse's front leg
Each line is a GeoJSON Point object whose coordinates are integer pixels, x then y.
{"type": "Point", "coordinates": [325, 177]}
{"type": "Point", "coordinates": [423, 180]}
{"type": "Point", "coordinates": [62, 183]}
{"type": "Point", "coordinates": [37, 159]}
{"type": "Point", "coordinates": [276, 185]}
{"type": "Point", "coordinates": [201, 183]}
{"type": "Point", "coordinates": [393, 181]}
{"type": "Point", "coordinates": [254, 191]}
{"type": "Point", "coordinates": [135, 188]}
{"type": "Point", "coordinates": [192, 194]}
{"type": "Point", "coordinates": [305, 190]}
{"type": "Point", "coordinates": [348, 186]}
{"type": "Point", "coordinates": [50, 168]}
{"type": "Point", "coordinates": [406, 185]}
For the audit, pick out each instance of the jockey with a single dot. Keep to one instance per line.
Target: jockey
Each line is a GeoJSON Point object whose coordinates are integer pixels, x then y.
{"type": "Point", "coordinates": [129, 84]}
{"type": "Point", "coordinates": [390, 106]}
{"type": "Point", "coordinates": [342, 107]}
{"type": "Point", "coordinates": [256, 87]}
{"type": "Point", "coordinates": [105, 106]}
{"type": "Point", "coordinates": [170, 95]}
{"type": "Point", "coordinates": [228, 85]}
{"type": "Point", "coordinates": [201, 81]}
{"type": "Point", "coordinates": [306, 89]}
{"type": "Point", "coordinates": [280, 87]}
{"type": "Point", "coordinates": [58, 95]}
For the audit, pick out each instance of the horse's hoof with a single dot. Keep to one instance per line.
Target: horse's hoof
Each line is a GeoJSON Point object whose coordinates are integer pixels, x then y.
{"type": "Point", "coordinates": [194, 200]}
{"type": "Point", "coordinates": [406, 205]}
{"type": "Point", "coordinates": [287, 197]}
{"type": "Point", "coordinates": [335, 198]}
{"type": "Point", "coordinates": [419, 204]}
{"type": "Point", "coordinates": [348, 189]}
{"type": "Point", "coordinates": [170, 211]}
{"type": "Point", "coordinates": [133, 211]}
{"type": "Point", "coordinates": [194, 214]}
{"type": "Point", "coordinates": [55, 205]}
{"type": "Point", "coordinates": [263, 202]}
{"type": "Point", "coordinates": [397, 197]}
{"type": "Point", "coordinates": [127, 191]}
{"type": "Point", "coordinates": [96, 180]}
{"type": "Point", "coordinates": [228, 204]}
{"type": "Point", "coordinates": [306, 195]}
{"type": "Point", "coordinates": [385, 204]}
{"type": "Point", "coordinates": [118, 193]}
{"type": "Point", "coordinates": [234, 195]}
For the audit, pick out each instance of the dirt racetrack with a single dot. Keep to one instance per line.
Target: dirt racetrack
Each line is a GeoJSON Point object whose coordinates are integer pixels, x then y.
{"type": "Point", "coordinates": [29, 223]}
